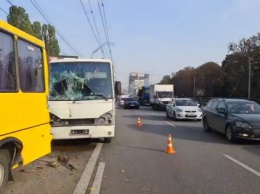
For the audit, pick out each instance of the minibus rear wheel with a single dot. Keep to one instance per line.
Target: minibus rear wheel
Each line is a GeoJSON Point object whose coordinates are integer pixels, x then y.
{"type": "Point", "coordinates": [5, 160]}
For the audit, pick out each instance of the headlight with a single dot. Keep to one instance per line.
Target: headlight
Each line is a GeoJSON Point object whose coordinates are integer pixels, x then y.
{"type": "Point", "coordinates": [199, 110]}
{"type": "Point", "coordinates": [109, 116]}
{"type": "Point", "coordinates": [178, 110]}
{"type": "Point", "coordinates": [242, 125]}
{"type": "Point", "coordinates": [56, 121]}
{"type": "Point", "coordinates": [105, 119]}
{"type": "Point", "coordinates": [102, 119]}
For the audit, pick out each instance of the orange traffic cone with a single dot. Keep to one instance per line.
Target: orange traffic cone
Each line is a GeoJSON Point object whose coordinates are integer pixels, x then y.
{"type": "Point", "coordinates": [170, 149]}
{"type": "Point", "coordinates": [139, 123]}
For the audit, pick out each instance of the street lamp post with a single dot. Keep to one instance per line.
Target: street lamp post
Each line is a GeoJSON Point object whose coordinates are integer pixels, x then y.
{"type": "Point", "coordinates": [106, 43]}
{"type": "Point", "coordinates": [194, 87]}
{"type": "Point", "coordinates": [194, 84]}
{"type": "Point", "coordinates": [249, 78]}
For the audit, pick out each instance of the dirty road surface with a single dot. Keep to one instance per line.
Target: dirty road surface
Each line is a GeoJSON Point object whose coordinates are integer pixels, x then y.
{"type": "Point", "coordinates": [136, 161]}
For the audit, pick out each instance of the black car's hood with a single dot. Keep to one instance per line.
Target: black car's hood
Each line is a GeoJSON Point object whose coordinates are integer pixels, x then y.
{"type": "Point", "coordinates": [250, 118]}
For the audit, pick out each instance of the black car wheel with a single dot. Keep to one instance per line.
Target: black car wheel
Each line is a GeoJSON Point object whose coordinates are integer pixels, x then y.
{"type": "Point", "coordinates": [230, 136]}
{"type": "Point", "coordinates": [206, 126]}
{"type": "Point", "coordinates": [167, 115]}
{"type": "Point", "coordinates": [174, 117]}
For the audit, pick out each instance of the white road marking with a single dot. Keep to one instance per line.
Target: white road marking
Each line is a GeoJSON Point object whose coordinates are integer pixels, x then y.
{"type": "Point", "coordinates": [151, 113]}
{"type": "Point", "coordinates": [242, 165]}
{"type": "Point", "coordinates": [98, 179]}
{"type": "Point", "coordinates": [170, 124]}
{"type": "Point", "coordinates": [86, 175]}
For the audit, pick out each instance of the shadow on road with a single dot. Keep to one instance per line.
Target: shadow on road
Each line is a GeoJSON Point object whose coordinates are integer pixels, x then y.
{"type": "Point", "coordinates": [190, 133]}
{"type": "Point", "coordinates": [74, 145]}
{"type": "Point", "coordinates": [148, 149]}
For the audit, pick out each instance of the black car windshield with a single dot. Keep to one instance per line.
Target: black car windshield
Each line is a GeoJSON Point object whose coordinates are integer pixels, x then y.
{"type": "Point", "coordinates": [131, 99]}
{"type": "Point", "coordinates": [243, 107]}
{"type": "Point", "coordinates": [185, 103]}
{"type": "Point", "coordinates": [80, 81]}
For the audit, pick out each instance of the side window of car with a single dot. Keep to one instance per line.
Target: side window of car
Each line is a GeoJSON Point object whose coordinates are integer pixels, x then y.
{"type": "Point", "coordinates": [222, 106]}
{"type": "Point", "coordinates": [209, 104]}
{"type": "Point", "coordinates": [214, 105]}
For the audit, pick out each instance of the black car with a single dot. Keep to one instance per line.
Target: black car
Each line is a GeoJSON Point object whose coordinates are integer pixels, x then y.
{"type": "Point", "coordinates": [235, 118]}
{"type": "Point", "coordinates": [131, 103]}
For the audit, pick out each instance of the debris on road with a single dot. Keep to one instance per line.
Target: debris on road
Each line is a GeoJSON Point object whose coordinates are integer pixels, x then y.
{"type": "Point", "coordinates": [127, 179]}
{"type": "Point", "coordinates": [60, 160]}
{"type": "Point", "coordinates": [23, 171]}
{"type": "Point", "coordinates": [53, 164]}
{"type": "Point", "coordinates": [65, 161]}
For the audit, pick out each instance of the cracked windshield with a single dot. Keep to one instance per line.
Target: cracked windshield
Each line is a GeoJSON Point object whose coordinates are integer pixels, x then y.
{"type": "Point", "coordinates": [130, 97]}
{"type": "Point", "coordinates": [165, 94]}
{"type": "Point", "coordinates": [80, 81]}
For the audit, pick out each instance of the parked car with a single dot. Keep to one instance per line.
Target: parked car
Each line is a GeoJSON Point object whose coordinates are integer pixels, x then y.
{"type": "Point", "coordinates": [122, 102]}
{"type": "Point", "coordinates": [131, 103]}
{"type": "Point", "coordinates": [183, 108]}
{"type": "Point", "coordinates": [235, 118]}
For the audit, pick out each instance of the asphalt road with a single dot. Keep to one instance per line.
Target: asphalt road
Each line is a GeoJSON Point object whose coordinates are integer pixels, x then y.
{"type": "Point", "coordinates": [136, 161]}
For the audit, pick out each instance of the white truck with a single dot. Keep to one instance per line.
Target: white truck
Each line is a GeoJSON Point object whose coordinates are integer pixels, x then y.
{"type": "Point", "coordinates": [161, 95]}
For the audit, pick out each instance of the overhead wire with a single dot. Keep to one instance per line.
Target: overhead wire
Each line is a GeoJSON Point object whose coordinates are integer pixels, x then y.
{"type": "Point", "coordinates": [94, 20]}
{"type": "Point", "coordinates": [104, 25]}
{"type": "Point", "coordinates": [101, 15]}
{"type": "Point", "coordinates": [10, 2]}
{"type": "Point", "coordinates": [89, 22]}
{"type": "Point", "coordinates": [105, 19]}
{"type": "Point", "coordinates": [3, 11]}
{"type": "Point", "coordinates": [107, 29]}
{"type": "Point", "coordinates": [37, 6]}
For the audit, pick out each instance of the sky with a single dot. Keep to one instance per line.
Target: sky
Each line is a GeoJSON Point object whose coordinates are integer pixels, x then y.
{"type": "Point", "coordinates": [150, 36]}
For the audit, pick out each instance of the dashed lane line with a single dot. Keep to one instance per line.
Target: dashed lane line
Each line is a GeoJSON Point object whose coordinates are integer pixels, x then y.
{"type": "Point", "coordinates": [86, 175]}
{"type": "Point", "coordinates": [242, 165]}
{"type": "Point", "coordinates": [98, 179]}
{"type": "Point", "coordinates": [170, 124]}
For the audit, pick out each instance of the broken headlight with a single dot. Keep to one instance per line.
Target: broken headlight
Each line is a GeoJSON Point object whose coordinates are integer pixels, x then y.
{"type": "Point", "coordinates": [56, 121]}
